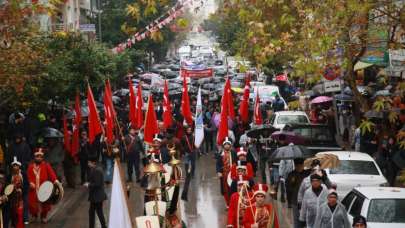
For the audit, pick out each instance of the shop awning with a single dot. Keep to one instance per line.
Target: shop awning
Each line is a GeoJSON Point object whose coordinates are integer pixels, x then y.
{"type": "Point", "coordinates": [361, 65]}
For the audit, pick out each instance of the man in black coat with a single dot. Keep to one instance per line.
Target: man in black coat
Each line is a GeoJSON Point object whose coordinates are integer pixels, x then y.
{"type": "Point", "coordinates": [97, 194]}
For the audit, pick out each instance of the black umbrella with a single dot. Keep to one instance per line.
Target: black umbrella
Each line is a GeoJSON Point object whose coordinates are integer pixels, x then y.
{"type": "Point", "coordinates": [374, 114]}
{"type": "Point", "coordinates": [51, 133]}
{"type": "Point", "coordinates": [291, 152]}
{"type": "Point", "coordinates": [261, 130]}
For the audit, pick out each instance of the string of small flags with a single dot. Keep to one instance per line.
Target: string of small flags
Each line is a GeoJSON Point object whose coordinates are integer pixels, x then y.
{"type": "Point", "coordinates": [165, 19]}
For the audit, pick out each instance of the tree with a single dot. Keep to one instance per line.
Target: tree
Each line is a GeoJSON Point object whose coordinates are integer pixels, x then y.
{"type": "Point", "coordinates": [312, 34]}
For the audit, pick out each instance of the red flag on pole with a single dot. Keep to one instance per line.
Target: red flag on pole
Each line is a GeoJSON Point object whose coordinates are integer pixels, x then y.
{"type": "Point", "coordinates": [231, 108]}
{"type": "Point", "coordinates": [257, 113]}
{"type": "Point", "coordinates": [109, 96]}
{"type": "Point", "coordinates": [132, 105]}
{"type": "Point", "coordinates": [95, 127]}
{"type": "Point", "coordinates": [108, 114]}
{"type": "Point", "coordinates": [223, 123]}
{"type": "Point", "coordinates": [167, 109]}
{"type": "Point", "coordinates": [66, 136]}
{"type": "Point", "coordinates": [185, 104]}
{"type": "Point", "coordinates": [76, 126]}
{"type": "Point", "coordinates": [139, 106]}
{"type": "Point", "coordinates": [244, 104]}
{"type": "Point", "coordinates": [151, 125]}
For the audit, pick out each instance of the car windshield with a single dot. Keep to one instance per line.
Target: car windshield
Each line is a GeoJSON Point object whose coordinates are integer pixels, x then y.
{"type": "Point", "coordinates": [285, 119]}
{"type": "Point", "coordinates": [355, 167]}
{"type": "Point", "coordinates": [315, 133]}
{"type": "Point", "coordinates": [386, 211]}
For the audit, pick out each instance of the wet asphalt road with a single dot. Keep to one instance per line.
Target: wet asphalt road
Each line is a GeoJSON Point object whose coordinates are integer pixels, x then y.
{"type": "Point", "coordinates": [205, 208]}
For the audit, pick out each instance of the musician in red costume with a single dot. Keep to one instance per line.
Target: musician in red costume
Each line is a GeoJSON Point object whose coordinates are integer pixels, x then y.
{"type": "Point", "coordinates": [38, 172]}
{"type": "Point", "coordinates": [240, 201]}
{"type": "Point", "coordinates": [262, 215]}
{"type": "Point", "coordinates": [223, 167]}
{"type": "Point", "coordinates": [16, 199]}
{"type": "Point", "coordinates": [242, 155]}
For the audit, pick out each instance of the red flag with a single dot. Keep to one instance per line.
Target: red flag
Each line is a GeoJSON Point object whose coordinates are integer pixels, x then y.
{"type": "Point", "coordinates": [66, 136]}
{"type": "Point", "coordinates": [151, 125]}
{"type": "Point", "coordinates": [167, 108]}
{"type": "Point", "coordinates": [223, 123]}
{"type": "Point", "coordinates": [244, 105]}
{"type": "Point", "coordinates": [132, 105]}
{"type": "Point", "coordinates": [76, 127]}
{"type": "Point", "coordinates": [257, 113]}
{"type": "Point", "coordinates": [109, 96]}
{"type": "Point", "coordinates": [138, 108]}
{"type": "Point", "coordinates": [95, 127]}
{"type": "Point", "coordinates": [108, 113]}
{"type": "Point", "coordinates": [185, 104]}
{"type": "Point", "coordinates": [231, 109]}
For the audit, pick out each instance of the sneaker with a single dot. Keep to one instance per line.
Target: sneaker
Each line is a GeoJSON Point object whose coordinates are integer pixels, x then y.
{"type": "Point", "coordinates": [26, 223]}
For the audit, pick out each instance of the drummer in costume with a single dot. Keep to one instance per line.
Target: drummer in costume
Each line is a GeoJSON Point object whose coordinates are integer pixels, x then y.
{"type": "Point", "coordinates": [240, 201]}
{"type": "Point", "coordinates": [16, 197]}
{"type": "Point", "coordinates": [239, 169]}
{"type": "Point", "coordinates": [38, 172]}
{"type": "Point", "coordinates": [261, 215]}
{"type": "Point", "coordinates": [223, 168]}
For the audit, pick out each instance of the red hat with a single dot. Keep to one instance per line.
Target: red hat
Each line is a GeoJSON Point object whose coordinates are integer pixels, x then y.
{"type": "Point", "coordinates": [260, 189]}
{"type": "Point", "coordinates": [241, 152]}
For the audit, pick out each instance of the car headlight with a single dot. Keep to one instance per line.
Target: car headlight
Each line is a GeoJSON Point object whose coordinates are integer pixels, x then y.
{"type": "Point", "coordinates": [384, 184]}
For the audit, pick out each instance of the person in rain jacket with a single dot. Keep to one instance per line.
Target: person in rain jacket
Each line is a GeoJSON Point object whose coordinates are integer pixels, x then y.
{"type": "Point", "coordinates": [313, 198]}
{"type": "Point", "coordinates": [332, 214]}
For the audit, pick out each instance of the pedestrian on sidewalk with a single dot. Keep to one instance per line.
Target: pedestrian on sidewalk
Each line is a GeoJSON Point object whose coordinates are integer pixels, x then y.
{"type": "Point", "coordinates": [332, 213]}
{"type": "Point", "coordinates": [97, 194]}
{"type": "Point", "coordinates": [313, 198]}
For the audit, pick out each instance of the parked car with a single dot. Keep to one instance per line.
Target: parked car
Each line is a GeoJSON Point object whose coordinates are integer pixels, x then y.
{"type": "Point", "coordinates": [317, 137]}
{"type": "Point", "coordinates": [355, 169]}
{"type": "Point", "coordinates": [381, 206]}
{"type": "Point", "coordinates": [280, 119]}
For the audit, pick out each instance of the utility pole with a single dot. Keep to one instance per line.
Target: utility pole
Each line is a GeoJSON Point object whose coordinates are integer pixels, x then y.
{"type": "Point", "coordinates": [99, 20]}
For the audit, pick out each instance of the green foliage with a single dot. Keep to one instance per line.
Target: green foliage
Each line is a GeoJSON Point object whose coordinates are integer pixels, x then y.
{"type": "Point", "coordinates": [366, 126]}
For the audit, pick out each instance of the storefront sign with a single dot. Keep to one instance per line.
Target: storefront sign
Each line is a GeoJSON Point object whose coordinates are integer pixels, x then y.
{"type": "Point", "coordinates": [332, 86]}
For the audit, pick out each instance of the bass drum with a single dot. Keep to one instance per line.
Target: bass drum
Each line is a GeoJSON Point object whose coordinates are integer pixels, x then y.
{"type": "Point", "coordinates": [50, 193]}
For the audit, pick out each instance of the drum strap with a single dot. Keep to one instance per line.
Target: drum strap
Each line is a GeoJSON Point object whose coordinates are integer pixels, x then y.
{"type": "Point", "coordinates": [37, 172]}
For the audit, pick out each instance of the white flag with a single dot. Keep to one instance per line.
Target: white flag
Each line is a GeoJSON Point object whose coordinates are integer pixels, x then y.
{"type": "Point", "coordinates": [119, 213]}
{"type": "Point", "coordinates": [199, 123]}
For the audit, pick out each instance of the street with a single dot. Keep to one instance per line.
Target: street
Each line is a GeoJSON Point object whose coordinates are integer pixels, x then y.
{"type": "Point", "coordinates": [205, 208]}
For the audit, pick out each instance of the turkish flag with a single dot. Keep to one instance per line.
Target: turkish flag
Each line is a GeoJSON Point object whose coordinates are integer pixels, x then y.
{"type": "Point", "coordinates": [76, 127]}
{"type": "Point", "coordinates": [167, 108]}
{"type": "Point", "coordinates": [151, 125]}
{"type": "Point", "coordinates": [244, 104]}
{"type": "Point", "coordinates": [66, 136]}
{"type": "Point", "coordinates": [258, 120]}
{"type": "Point", "coordinates": [95, 127]}
{"type": "Point", "coordinates": [228, 91]}
{"type": "Point", "coordinates": [132, 105]}
{"type": "Point", "coordinates": [109, 114]}
{"type": "Point", "coordinates": [223, 123]}
{"type": "Point", "coordinates": [185, 104]}
{"type": "Point", "coordinates": [138, 107]}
